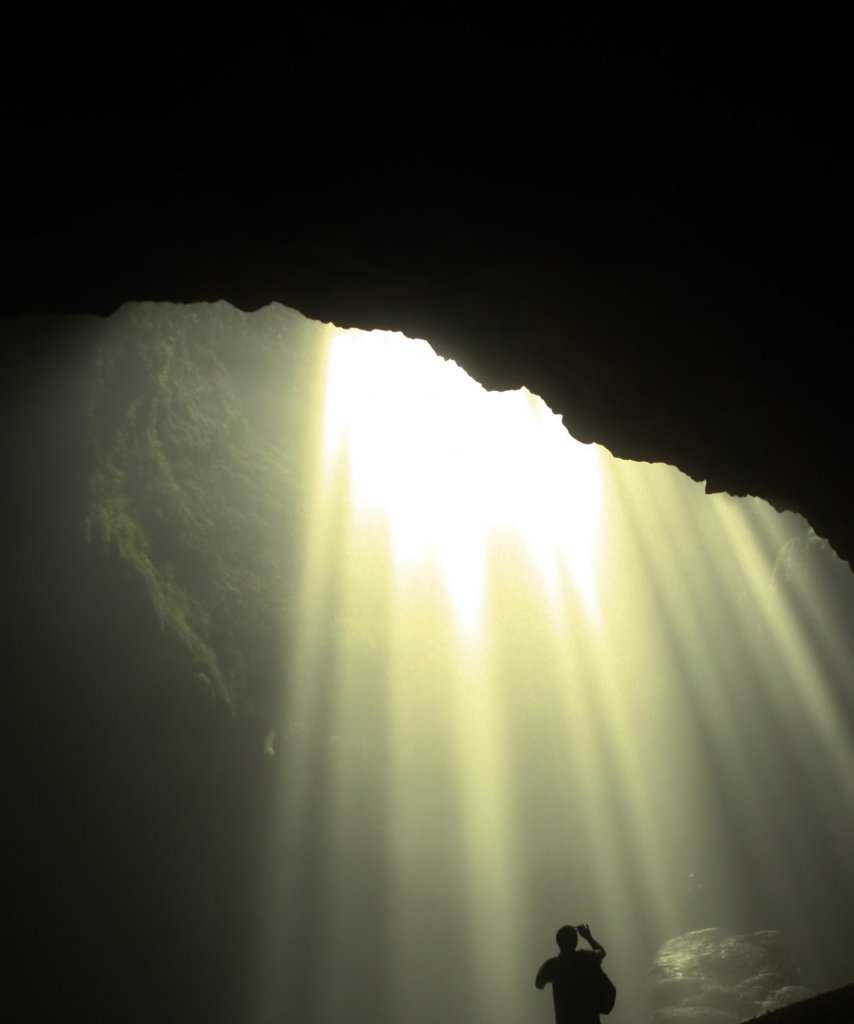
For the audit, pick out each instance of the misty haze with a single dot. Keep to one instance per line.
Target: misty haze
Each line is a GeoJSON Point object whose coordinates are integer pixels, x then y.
{"type": "Point", "coordinates": [343, 683]}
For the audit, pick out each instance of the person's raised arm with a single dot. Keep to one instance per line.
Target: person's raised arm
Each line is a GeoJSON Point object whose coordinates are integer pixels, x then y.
{"type": "Point", "coordinates": [584, 931]}
{"type": "Point", "coordinates": [544, 975]}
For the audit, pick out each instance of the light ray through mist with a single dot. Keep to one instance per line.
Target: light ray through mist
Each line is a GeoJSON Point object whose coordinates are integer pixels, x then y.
{"type": "Point", "coordinates": [445, 463]}
{"type": "Point", "coordinates": [535, 684]}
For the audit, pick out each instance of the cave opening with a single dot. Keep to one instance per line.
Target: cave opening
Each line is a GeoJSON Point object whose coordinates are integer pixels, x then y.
{"type": "Point", "coordinates": [382, 677]}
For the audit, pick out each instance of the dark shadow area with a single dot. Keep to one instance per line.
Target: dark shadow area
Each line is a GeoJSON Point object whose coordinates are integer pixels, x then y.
{"type": "Point", "coordinates": [651, 231]}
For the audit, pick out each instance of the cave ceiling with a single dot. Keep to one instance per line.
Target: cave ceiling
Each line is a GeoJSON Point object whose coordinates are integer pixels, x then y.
{"type": "Point", "coordinates": [653, 233]}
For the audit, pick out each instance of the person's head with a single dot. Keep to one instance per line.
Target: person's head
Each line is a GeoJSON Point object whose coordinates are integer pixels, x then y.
{"type": "Point", "coordinates": [566, 938]}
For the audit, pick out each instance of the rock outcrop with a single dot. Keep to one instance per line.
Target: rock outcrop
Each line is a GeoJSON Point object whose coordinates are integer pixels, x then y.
{"type": "Point", "coordinates": [714, 976]}
{"type": "Point", "coordinates": [836, 1007]}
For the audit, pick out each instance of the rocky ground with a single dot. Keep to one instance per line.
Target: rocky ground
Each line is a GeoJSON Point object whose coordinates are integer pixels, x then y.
{"type": "Point", "coordinates": [835, 1007]}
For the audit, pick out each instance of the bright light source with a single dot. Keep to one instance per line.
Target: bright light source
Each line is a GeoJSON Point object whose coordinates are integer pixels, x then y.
{"type": "Point", "coordinates": [451, 466]}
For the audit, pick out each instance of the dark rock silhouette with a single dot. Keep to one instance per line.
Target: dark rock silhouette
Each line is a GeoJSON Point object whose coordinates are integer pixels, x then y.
{"type": "Point", "coordinates": [682, 305]}
{"type": "Point", "coordinates": [835, 1007]}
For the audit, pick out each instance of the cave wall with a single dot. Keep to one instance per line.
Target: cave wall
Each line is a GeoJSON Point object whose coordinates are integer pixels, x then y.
{"type": "Point", "coordinates": [649, 229]}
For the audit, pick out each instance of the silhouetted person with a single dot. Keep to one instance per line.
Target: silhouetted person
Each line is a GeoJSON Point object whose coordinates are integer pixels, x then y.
{"type": "Point", "coordinates": [575, 976]}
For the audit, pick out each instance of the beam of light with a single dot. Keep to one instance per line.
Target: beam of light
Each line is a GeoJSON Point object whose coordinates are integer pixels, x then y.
{"type": "Point", "coordinates": [532, 684]}
{"type": "Point", "coordinates": [447, 462]}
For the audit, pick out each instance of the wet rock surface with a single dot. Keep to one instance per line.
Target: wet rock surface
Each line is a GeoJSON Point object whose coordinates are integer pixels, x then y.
{"type": "Point", "coordinates": [715, 976]}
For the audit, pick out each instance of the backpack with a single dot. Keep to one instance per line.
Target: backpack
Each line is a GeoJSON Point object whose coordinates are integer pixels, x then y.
{"type": "Point", "coordinates": [607, 993]}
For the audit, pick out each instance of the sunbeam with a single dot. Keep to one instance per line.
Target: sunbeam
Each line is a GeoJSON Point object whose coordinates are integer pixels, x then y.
{"type": "Point", "coordinates": [532, 683]}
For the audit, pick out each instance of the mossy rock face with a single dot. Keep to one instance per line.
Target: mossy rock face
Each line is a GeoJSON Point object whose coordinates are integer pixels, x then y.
{"type": "Point", "coordinates": [201, 418]}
